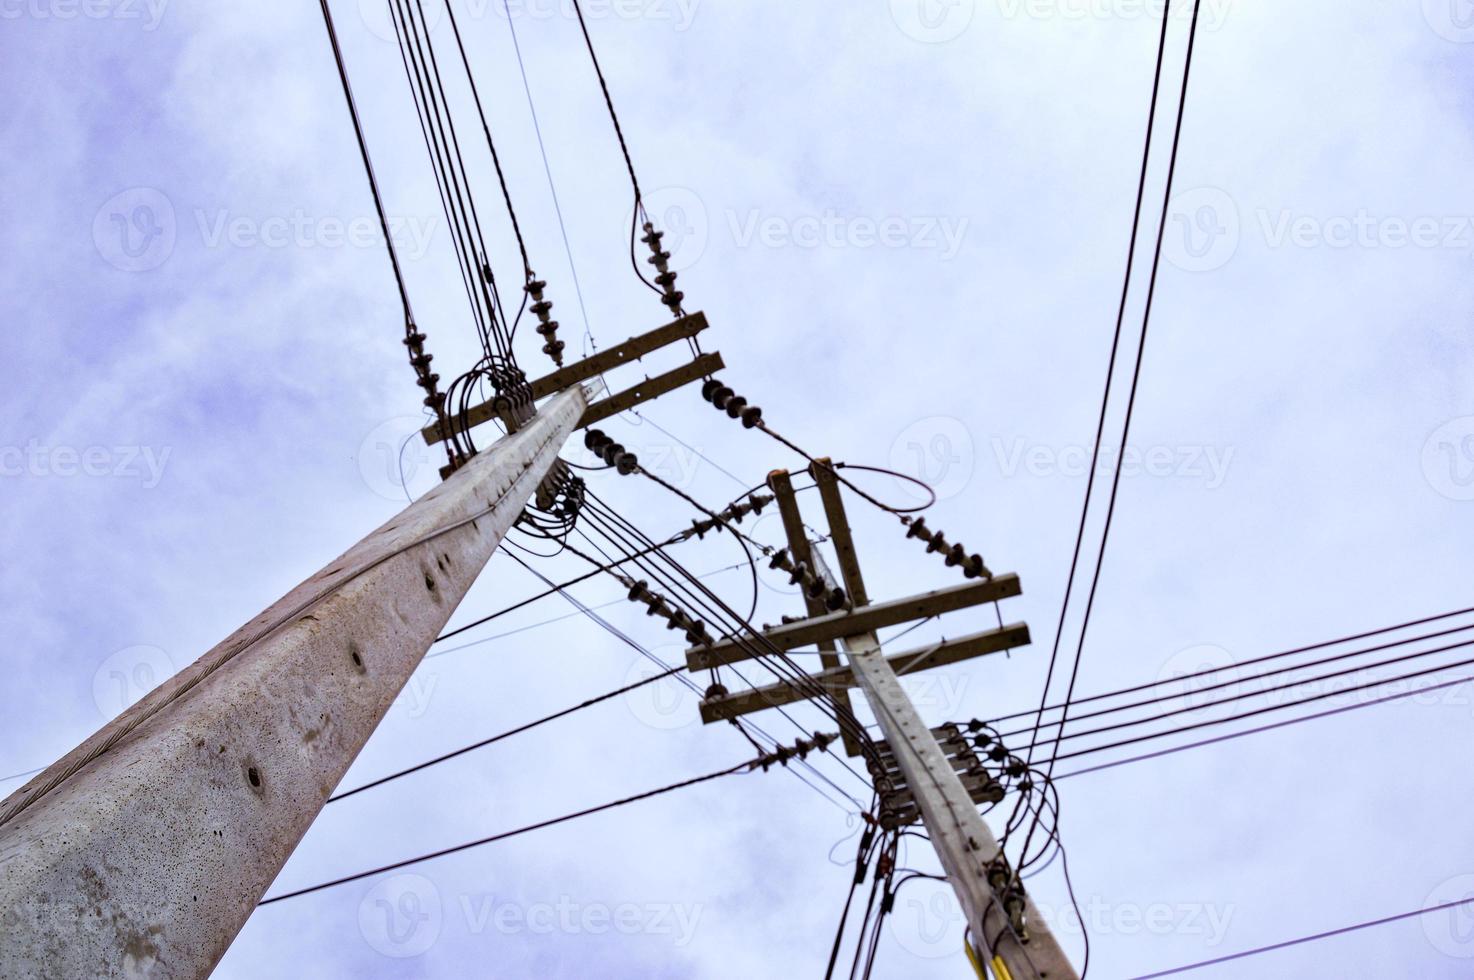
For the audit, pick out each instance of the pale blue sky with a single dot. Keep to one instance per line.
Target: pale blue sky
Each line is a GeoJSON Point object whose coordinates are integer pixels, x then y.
{"type": "Point", "coordinates": [237, 368]}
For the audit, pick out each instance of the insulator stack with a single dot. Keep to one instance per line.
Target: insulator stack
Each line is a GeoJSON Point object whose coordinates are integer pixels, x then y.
{"type": "Point", "coordinates": [799, 573]}
{"type": "Point", "coordinates": [956, 555]}
{"type": "Point", "coordinates": [732, 403]}
{"type": "Point", "coordinates": [547, 327]}
{"type": "Point", "coordinates": [675, 619]}
{"type": "Point", "coordinates": [664, 277]}
{"type": "Point", "coordinates": [611, 452]}
{"type": "Point", "coordinates": [732, 515]}
{"type": "Point", "coordinates": [420, 361]}
{"type": "Point", "coordinates": [799, 750]}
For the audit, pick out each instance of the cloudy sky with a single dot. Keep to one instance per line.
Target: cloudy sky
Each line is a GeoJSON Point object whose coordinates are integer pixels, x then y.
{"type": "Point", "coordinates": [907, 222]}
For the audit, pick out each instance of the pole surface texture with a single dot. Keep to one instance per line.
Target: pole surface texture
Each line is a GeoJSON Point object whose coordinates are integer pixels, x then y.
{"type": "Point", "coordinates": [143, 851]}
{"type": "Point", "coordinates": [962, 839]}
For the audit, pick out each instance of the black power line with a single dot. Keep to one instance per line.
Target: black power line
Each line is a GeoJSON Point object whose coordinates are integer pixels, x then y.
{"type": "Point", "coordinates": [513, 833]}
{"type": "Point", "coordinates": [1328, 934]}
{"type": "Point", "coordinates": [507, 734]}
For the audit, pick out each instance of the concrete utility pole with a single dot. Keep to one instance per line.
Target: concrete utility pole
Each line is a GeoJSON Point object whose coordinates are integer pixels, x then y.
{"type": "Point", "coordinates": [963, 842]}
{"type": "Point", "coordinates": [144, 850]}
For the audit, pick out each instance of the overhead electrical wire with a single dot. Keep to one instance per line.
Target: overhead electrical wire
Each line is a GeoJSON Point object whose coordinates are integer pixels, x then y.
{"type": "Point", "coordinates": [1316, 937]}
{"type": "Point", "coordinates": [1135, 382]}
{"type": "Point", "coordinates": [1179, 678]}
{"type": "Point", "coordinates": [504, 835]}
{"type": "Point", "coordinates": [743, 725]}
{"type": "Point", "coordinates": [414, 338]}
{"type": "Point", "coordinates": [529, 726]}
{"type": "Point", "coordinates": [1384, 699]}
{"type": "Point", "coordinates": [1288, 684]}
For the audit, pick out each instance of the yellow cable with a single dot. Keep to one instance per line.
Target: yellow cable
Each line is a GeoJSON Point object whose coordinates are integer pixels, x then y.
{"type": "Point", "coordinates": [1000, 969]}
{"type": "Point", "coordinates": [972, 957]}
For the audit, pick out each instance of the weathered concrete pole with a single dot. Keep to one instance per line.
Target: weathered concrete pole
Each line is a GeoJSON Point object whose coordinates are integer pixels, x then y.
{"type": "Point", "coordinates": [142, 852]}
